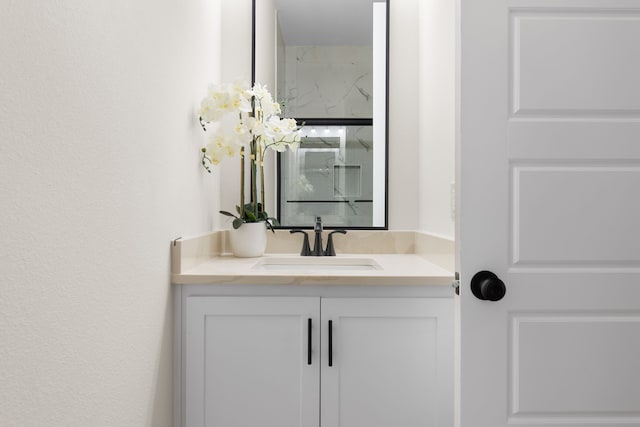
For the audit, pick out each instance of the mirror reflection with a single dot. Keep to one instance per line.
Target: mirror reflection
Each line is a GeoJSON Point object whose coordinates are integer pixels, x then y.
{"type": "Point", "coordinates": [331, 62]}
{"type": "Point", "coordinates": [330, 175]}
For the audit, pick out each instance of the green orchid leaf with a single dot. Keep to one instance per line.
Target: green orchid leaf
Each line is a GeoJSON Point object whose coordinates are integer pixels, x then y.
{"type": "Point", "coordinates": [251, 216]}
{"type": "Point", "coordinates": [228, 214]}
{"type": "Point", "coordinates": [270, 222]}
{"type": "Point", "coordinates": [237, 223]}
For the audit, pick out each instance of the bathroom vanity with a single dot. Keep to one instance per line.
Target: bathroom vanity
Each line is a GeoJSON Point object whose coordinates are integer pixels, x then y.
{"type": "Point", "coordinates": [361, 339]}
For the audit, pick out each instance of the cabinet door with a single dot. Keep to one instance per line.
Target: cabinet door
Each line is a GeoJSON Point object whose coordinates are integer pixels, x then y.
{"type": "Point", "coordinates": [246, 362]}
{"type": "Point", "coordinates": [391, 362]}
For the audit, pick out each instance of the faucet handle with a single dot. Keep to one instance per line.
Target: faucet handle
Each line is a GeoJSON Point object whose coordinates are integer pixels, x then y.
{"type": "Point", "coordinates": [318, 224]}
{"type": "Point", "coordinates": [330, 251]}
{"type": "Point", "coordinates": [306, 249]}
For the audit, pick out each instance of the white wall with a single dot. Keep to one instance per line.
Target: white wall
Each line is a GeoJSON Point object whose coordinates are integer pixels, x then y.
{"type": "Point", "coordinates": [235, 65]}
{"type": "Point", "coordinates": [266, 74]}
{"type": "Point", "coordinates": [99, 170]}
{"type": "Point", "coordinates": [266, 43]}
{"type": "Point", "coordinates": [437, 115]}
{"type": "Point", "coordinates": [421, 115]}
{"type": "Point", "coordinates": [404, 141]}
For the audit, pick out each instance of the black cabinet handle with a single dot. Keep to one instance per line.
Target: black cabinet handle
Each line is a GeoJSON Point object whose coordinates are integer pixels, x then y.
{"type": "Point", "coordinates": [309, 341]}
{"type": "Point", "coordinates": [330, 343]}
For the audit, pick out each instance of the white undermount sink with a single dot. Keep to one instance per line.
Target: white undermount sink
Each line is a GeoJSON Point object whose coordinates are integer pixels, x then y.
{"type": "Point", "coordinates": [316, 263]}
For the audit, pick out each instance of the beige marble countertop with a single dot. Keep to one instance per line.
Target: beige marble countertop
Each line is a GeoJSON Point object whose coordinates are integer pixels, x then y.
{"type": "Point", "coordinates": [400, 258]}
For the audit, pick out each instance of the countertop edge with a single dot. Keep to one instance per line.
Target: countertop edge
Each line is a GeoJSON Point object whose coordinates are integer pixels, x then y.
{"type": "Point", "coordinates": [300, 280]}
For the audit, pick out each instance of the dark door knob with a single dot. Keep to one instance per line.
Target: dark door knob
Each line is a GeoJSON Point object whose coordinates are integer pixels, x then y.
{"type": "Point", "coordinates": [487, 286]}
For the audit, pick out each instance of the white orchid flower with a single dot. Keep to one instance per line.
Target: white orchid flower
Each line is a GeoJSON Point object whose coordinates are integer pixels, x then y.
{"type": "Point", "coordinates": [242, 132]}
{"type": "Point", "coordinates": [290, 124]}
{"type": "Point", "coordinates": [213, 153]}
{"type": "Point", "coordinates": [270, 108]}
{"type": "Point", "coordinates": [240, 88]}
{"type": "Point", "coordinates": [240, 103]}
{"type": "Point", "coordinates": [260, 91]}
{"type": "Point", "coordinates": [275, 124]}
{"type": "Point", "coordinates": [256, 127]}
{"type": "Point", "coordinates": [208, 111]}
{"type": "Point", "coordinates": [254, 117]}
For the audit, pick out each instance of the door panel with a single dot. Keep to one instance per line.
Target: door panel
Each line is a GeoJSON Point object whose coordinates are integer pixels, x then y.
{"type": "Point", "coordinates": [554, 354]}
{"type": "Point", "coordinates": [391, 363]}
{"type": "Point", "coordinates": [574, 62]}
{"type": "Point", "coordinates": [574, 214]}
{"type": "Point", "coordinates": [549, 174]}
{"type": "Point", "coordinates": [253, 352]}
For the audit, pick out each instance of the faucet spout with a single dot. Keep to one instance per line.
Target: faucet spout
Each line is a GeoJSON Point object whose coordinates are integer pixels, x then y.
{"type": "Point", "coordinates": [317, 243]}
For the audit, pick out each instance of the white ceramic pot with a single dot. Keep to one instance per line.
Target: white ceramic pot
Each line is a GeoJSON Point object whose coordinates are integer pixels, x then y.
{"type": "Point", "coordinates": [249, 240]}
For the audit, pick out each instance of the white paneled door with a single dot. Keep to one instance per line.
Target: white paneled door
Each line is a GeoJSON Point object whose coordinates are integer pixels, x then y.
{"type": "Point", "coordinates": [550, 202]}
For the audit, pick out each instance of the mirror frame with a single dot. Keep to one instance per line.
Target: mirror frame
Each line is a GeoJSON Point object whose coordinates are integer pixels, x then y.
{"type": "Point", "coordinates": [337, 121]}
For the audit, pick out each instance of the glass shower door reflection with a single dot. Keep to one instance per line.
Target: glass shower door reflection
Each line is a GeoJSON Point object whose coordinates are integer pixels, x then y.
{"type": "Point", "coordinates": [330, 175]}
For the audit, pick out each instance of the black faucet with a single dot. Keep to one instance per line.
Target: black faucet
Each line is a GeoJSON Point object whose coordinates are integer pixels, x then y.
{"type": "Point", "coordinates": [306, 250]}
{"type": "Point", "coordinates": [317, 243]}
{"type": "Point", "coordinates": [330, 251]}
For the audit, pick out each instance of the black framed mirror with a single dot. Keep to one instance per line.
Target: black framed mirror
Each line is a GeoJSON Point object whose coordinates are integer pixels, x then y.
{"type": "Point", "coordinates": [327, 63]}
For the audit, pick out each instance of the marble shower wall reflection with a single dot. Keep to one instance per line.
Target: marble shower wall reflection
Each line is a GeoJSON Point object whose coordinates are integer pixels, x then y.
{"type": "Point", "coordinates": [326, 81]}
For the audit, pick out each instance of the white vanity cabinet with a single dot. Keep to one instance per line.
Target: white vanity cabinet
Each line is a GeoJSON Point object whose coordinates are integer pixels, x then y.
{"type": "Point", "coordinates": [246, 362]}
{"type": "Point", "coordinates": [314, 361]}
{"type": "Point", "coordinates": [389, 364]}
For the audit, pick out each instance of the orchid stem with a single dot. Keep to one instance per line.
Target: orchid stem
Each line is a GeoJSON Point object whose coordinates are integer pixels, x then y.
{"type": "Point", "coordinates": [242, 183]}
{"type": "Point", "coordinates": [261, 157]}
{"type": "Point", "coordinates": [254, 172]}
